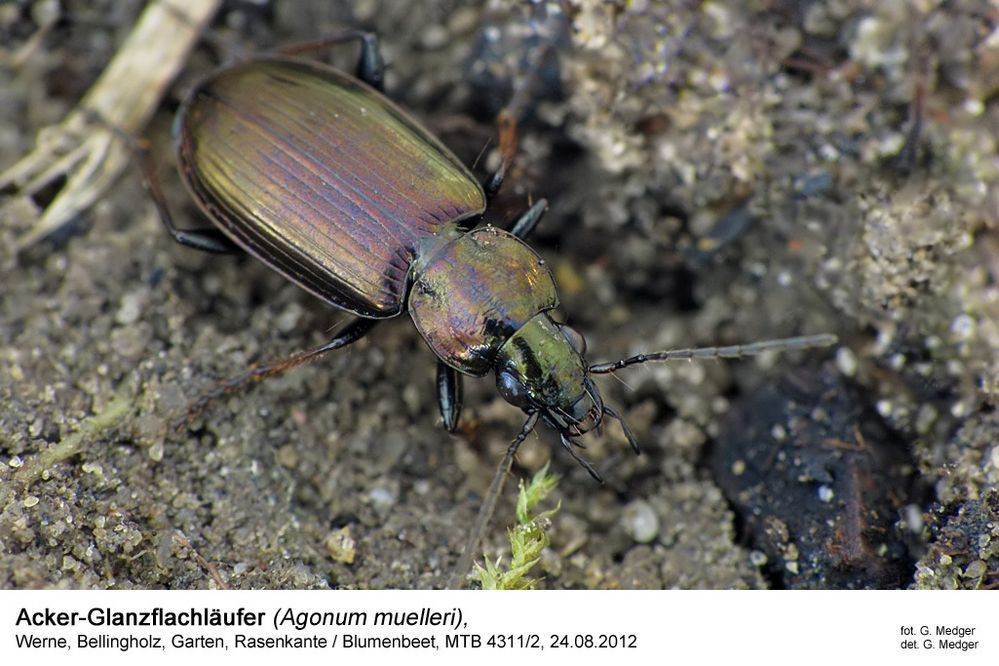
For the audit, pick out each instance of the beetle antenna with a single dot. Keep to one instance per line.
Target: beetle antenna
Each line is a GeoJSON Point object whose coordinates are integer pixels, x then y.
{"type": "Point", "coordinates": [488, 508]}
{"type": "Point", "coordinates": [732, 351]}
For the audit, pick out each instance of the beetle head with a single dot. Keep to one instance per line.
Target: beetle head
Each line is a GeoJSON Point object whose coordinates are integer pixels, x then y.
{"type": "Point", "coordinates": [541, 369]}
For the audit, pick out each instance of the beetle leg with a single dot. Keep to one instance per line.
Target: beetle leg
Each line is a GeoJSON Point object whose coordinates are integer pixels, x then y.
{"type": "Point", "coordinates": [488, 508]}
{"type": "Point", "coordinates": [508, 118]}
{"type": "Point", "coordinates": [370, 66]}
{"type": "Point", "coordinates": [507, 121]}
{"type": "Point", "coordinates": [351, 333]}
{"type": "Point", "coordinates": [449, 395]}
{"type": "Point", "coordinates": [206, 240]}
{"type": "Point", "coordinates": [529, 219]}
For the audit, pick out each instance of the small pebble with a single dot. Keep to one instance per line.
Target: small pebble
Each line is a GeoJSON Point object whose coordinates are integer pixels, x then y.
{"type": "Point", "coordinates": [640, 521]}
{"type": "Point", "coordinates": [287, 456]}
{"type": "Point", "coordinates": [383, 498]}
{"type": "Point", "coordinates": [341, 546]}
{"type": "Point", "coordinates": [133, 304]}
{"type": "Point", "coordinates": [846, 361]}
{"type": "Point", "coordinates": [976, 569]}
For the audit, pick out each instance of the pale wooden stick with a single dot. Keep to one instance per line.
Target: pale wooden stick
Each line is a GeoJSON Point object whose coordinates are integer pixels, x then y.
{"type": "Point", "coordinates": [91, 146]}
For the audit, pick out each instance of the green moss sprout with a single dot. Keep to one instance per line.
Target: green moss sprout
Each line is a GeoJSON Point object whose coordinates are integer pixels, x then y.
{"type": "Point", "coordinates": [527, 538]}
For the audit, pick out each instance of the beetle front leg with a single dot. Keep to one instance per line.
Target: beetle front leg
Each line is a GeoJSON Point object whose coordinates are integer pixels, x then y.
{"type": "Point", "coordinates": [449, 395]}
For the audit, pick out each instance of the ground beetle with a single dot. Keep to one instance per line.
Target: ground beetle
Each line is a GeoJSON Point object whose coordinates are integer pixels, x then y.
{"type": "Point", "coordinates": [321, 177]}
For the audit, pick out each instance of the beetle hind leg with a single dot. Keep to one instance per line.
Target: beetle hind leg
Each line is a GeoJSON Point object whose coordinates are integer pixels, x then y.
{"type": "Point", "coordinates": [353, 332]}
{"type": "Point", "coordinates": [206, 240]}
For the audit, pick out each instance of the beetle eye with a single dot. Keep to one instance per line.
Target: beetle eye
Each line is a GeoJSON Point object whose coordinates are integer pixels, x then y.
{"type": "Point", "coordinates": [575, 338]}
{"type": "Point", "coordinates": [512, 390]}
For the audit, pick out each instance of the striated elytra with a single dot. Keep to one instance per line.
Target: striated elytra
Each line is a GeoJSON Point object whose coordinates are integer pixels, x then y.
{"type": "Point", "coordinates": [322, 178]}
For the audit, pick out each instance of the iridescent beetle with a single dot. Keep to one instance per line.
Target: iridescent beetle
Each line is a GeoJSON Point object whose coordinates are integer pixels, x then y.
{"type": "Point", "coordinates": [321, 177]}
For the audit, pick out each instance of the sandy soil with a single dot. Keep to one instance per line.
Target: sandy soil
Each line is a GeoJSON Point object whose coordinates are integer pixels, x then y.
{"type": "Point", "coordinates": [717, 174]}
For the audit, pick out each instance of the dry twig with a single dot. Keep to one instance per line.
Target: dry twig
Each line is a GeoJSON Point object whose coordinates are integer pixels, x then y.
{"type": "Point", "coordinates": [90, 148]}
